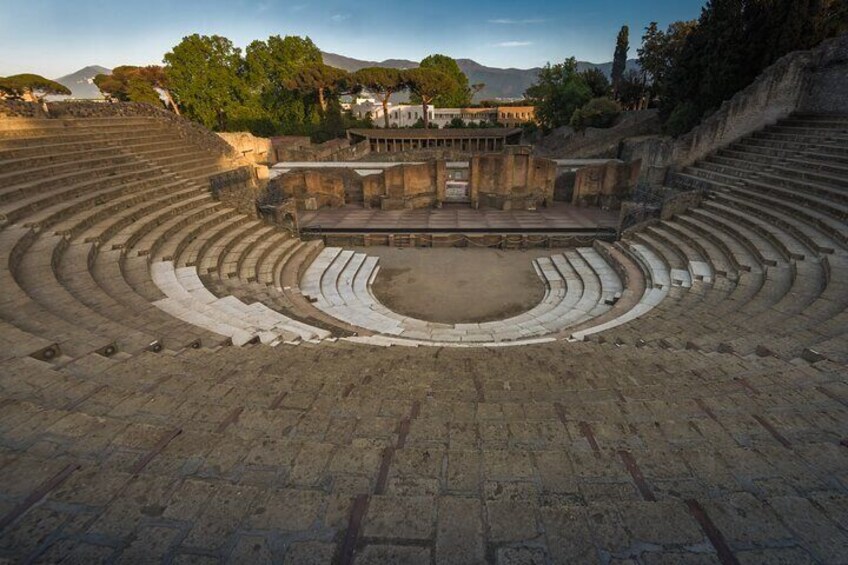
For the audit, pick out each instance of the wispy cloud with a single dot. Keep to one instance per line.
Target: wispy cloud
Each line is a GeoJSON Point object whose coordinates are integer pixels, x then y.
{"type": "Point", "coordinates": [513, 44]}
{"type": "Point", "coordinates": [340, 17]}
{"type": "Point", "coordinates": [510, 21]}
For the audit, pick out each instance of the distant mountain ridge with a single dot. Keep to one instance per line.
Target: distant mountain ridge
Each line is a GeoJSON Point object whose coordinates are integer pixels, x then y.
{"type": "Point", "coordinates": [81, 83]}
{"type": "Point", "coordinates": [500, 83]}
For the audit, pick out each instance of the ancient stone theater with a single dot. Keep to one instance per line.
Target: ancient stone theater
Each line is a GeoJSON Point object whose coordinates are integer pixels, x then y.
{"type": "Point", "coordinates": [414, 346]}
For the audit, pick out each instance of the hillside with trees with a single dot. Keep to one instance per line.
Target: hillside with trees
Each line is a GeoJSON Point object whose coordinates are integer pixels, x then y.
{"type": "Point", "coordinates": [695, 66]}
{"type": "Point", "coordinates": [691, 67]}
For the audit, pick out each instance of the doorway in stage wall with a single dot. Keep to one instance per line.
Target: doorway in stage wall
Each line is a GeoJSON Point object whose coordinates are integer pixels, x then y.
{"type": "Point", "coordinates": [456, 186]}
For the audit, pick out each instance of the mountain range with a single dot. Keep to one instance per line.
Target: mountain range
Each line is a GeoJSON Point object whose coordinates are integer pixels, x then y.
{"type": "Point", "coordinates": [500, 83]}
{"type": "Point", "coordinates": [81, 83]}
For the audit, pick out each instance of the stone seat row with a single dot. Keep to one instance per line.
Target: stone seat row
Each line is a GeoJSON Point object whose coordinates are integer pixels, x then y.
{"type": "Point", "coordinates": [237, 256]}
{"type": "Point", "coordinates": [778, 252]}
{"type": "Point", "coordinates": [188, 299]}
{"type": "Point", "coordinates": [579, 286]}
{"type": "Point", "coordinates": [63, 213]}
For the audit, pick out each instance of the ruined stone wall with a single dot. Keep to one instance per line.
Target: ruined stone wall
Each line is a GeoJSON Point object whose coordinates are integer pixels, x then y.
{"type": "Point", "coordinates": [311, 189]}
{"type": "Point", "coordinates": [605, 185]}
{"type": "Point", "coordinates": [826, 89]}
{"type": "Point", "coordinates": [20, 109]}
{"type": "Point", "coordinates": [597, 143]}
{"type": "Point", "coordinates": [511, 180]}
{"type": "Point", "coordinates": [681, 202]}
{"type": "Point", "coordinates": [406, 186]}
{"type": "Point", "coordinates": [655, 153]}
{"type": "Point", "coordinates": [417, 155]}
{"type": "Point", "coordinates": [237, 188]}
{"type": "Point", "coordinates": [297, 150]}
{"type": "Point", "coordinates": [257, 150]}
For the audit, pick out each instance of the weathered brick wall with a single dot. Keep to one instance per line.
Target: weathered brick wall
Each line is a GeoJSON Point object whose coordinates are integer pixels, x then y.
{"type": "Point", "coordinates": [311, 189]}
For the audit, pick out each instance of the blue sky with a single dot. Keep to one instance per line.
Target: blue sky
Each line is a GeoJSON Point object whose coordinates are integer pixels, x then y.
{"type": "Point", "coordinates": [53, 38]}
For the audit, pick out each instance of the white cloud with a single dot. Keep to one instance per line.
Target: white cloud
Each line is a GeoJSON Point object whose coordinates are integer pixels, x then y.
{"type": "Point", "coordinates": [340, 17]}
{"type": "Point", "coordinates": [509, 21]}
{"type": "Point", "coordinates": [513, 44]}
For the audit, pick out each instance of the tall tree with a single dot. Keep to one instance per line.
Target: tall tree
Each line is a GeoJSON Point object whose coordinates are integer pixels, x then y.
{"type": "Point", "coordinates": [733, 42]}
{"type": "Point", "coordinates": [127, 84]}
{"type": "Point", "coordinates": [30, 87]}
{"type": "Point", "coordinates": [660, 52]}
{"type": "Point", "coordinates": [204, 73]}
{"type": "Point", "coordinates": [557, 93]}
{"type": "Point", "coordinates": [475, 89]}
{"type": "Point", "coordinates": [457, 96]}
{"type": "Point", "coordinates": [619, 60]}
{"type": "Point", "coordinates": [382, 83]}
{"type": "Point", "coordinates": [270, 66]}
{"type": "Point", "coordinates": [156, 76]}
{"type": "Point", "coordinates": [321, 79]}
{"type": "Point", "coordinates": [427, 84]}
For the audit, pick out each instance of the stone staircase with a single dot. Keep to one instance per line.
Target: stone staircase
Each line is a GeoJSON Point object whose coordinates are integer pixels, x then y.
{"type": "Point", "coordinates": [766, 253]}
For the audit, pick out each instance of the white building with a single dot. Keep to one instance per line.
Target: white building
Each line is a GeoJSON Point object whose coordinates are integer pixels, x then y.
{"type": "Point", "coordinates": [407, 115]}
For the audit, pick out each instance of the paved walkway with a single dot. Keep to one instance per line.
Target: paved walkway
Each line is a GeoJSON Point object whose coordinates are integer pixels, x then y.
{"type": "Point", "coordinates": [458, 217]}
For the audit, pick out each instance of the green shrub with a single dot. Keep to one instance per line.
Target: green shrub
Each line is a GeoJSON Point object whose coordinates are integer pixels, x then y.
{"type": "Point", "coordinates": [596, 113]}
{"type": "Point", "coordinates": [682, 119]}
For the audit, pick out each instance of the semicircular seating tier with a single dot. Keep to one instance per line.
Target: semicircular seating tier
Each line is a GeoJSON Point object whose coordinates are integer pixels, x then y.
{"type": "Point", "coordinates": [113, 245]}
{"type": "Point", "coordinates": [579, 286]}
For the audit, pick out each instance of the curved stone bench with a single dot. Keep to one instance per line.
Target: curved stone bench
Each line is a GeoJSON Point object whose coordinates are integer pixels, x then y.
{"type": "Point", "coordinates": [579, 284]}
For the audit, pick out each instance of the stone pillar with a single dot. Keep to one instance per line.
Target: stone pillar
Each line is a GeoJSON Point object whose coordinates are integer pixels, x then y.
{"type": "Point", "coordinates": [440, 176]}
{"type": "Point", "coordinates": [474, 181]}
{"type": "Point", "coordinates": [506, 181]}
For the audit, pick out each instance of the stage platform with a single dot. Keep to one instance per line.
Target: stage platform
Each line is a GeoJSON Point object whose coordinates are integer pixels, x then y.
{"type": "Point", "coordinates": [560, 217]}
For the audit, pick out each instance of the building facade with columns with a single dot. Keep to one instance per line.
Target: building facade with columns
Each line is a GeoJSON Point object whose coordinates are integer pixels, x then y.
{"type": "Point", "coordinates": [407, 115]}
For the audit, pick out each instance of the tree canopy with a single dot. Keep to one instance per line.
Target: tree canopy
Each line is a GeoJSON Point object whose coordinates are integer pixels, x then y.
{"type": "Point", "coordinates": [558, 92]}
{"type": "Point", "coordinates": [30, 87]}
{"type": "Point", "coordinates": [382, 82]}
{"type": "Point", "coordinates": [427, 84]}
{"type": "Point", "coordinates": [129, 84]}
{"type": "Point", "coordinates": [279, 86]}
{"type": "Point", "coordinates": [320, 79]}
{"type": "Point", "coordinates": [205, 75]}
{"type": "Point", "coordinates": [597, 82]}
{"type": "Point", "coordinates": [695, 66]}
{"type": "Point", "coordinates": [458, 95]}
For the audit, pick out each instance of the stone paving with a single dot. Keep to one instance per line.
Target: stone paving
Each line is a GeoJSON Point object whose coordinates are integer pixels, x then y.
{"type": "Point", "coordinates": [459, 217]}
{"type": "Point", "coordinates": [565, 453]}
